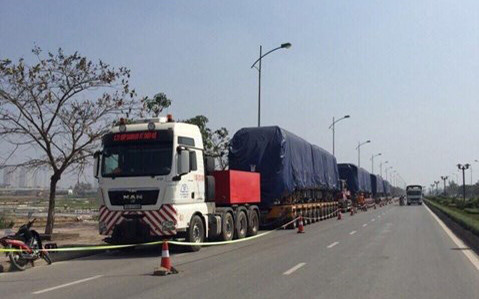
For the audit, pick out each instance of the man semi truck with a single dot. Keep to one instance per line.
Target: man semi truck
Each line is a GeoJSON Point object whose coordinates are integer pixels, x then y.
{"type": "Point", "coordinates": [155, 182]}
{"type": "Point", "coordinates": [414, 194]}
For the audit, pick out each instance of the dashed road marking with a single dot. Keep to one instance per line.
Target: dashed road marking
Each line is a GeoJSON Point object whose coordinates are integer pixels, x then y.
{"type": "Point", "coordinates": [353, 232]}
{"type": "Point", "coordinates": [372, 220]}
{"type": "Point", "coordinates": [67, 284]}
{"type": "Point", "coordinates": [365, 224]}
{"type": "Point", "coordinates": [333, 244]}
{"type": "Point", "coordinates": [294, 268]}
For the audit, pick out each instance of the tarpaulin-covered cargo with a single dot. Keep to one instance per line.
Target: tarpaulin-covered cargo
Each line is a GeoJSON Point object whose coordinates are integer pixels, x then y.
{"type": "Point", "coordinates": [377, 184]}
{"type": "Point", "coordinates": [387, 187]}
{"type": "Point", "coordinates": [357, 179]}
{"type": "Point", "coordinates": [285, 161]}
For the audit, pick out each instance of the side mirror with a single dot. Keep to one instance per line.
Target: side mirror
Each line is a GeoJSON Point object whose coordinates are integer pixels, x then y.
{"type": "Point", "coordinates": [96, 164]}
{"type": "Point", "coordinates": [183, 162]}
{"type": "Point", "coordinates": [209, 164]}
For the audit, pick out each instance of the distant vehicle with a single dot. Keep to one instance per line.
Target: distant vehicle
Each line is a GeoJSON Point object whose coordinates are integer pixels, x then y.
{"type": "Point", "coordinates": [414, 194]}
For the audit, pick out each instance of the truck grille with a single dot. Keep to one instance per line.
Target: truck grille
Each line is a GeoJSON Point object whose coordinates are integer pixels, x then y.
{"type": "Point", "coordinates": [133, 197]}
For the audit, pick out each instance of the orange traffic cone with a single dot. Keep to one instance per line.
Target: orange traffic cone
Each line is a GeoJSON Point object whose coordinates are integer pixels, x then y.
{"type": "Point", "coordinates": [300, 225]}
{"type": "Point", "coordinates": [339, 215]}
{"type": "Point", "coordinates": [165, 256]}
{"type": "Point", "coordinates": [165, 267]}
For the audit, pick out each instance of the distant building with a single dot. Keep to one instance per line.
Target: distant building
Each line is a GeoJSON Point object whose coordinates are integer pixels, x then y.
{"type": "Point", "coordinates": [22, 177]}
{"type": "Point", "coordinates": [9, 176]}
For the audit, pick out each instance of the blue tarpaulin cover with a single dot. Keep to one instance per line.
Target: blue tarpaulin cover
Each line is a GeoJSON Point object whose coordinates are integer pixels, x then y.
{"type": "Point", "coordinates": [285, 161]}
{"type": "Point", "coordinates": [387, 187]}
{"type": "Point", "coordinates": [377, 184]}
{"type": "Point", "coordinates": [358, 180]}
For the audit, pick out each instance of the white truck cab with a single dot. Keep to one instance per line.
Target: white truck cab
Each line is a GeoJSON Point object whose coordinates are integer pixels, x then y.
{"type": "Point", "coordinates": [152, 182]}
{"type": "Point", "coordinates": [414, 194]}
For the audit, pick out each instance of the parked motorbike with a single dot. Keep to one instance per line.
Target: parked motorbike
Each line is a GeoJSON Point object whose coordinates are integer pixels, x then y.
{"type": "Point", "coordinates": [28, 247]}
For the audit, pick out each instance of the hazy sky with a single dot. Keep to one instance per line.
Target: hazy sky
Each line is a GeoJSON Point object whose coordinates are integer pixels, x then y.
{"type": "Point", "coordinates": [407, 71]}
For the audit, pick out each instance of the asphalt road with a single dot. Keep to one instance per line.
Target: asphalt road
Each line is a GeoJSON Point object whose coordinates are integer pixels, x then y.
{"type": "Point", "coordinates": [391, 252]}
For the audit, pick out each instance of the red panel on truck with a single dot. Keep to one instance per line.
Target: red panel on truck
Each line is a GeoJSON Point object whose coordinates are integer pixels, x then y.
{"type": "Point", "coordinates": [236, 187]}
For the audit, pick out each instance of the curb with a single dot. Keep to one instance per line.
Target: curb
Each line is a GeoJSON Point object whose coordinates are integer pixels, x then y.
{"type": "Point", "coordinates": [468, 237]}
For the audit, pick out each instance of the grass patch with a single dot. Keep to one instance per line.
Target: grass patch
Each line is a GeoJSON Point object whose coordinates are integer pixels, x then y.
{"type": "Point", "coordinates": [467, 220]}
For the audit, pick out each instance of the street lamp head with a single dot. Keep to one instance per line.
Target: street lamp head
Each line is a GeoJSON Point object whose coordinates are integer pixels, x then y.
{"type": "Point", "coordinates": [347, 116]}
{"type": "Point", "coordinates": [459, 166]}
{"type": "Point", "coordinates": [286, 45]}
{"type": "Point", "coordinates": [368, 141]}
{"type": "Point", "coordinates": [379, 154]}
{"type": "Point", "coordinates": [467, 165]}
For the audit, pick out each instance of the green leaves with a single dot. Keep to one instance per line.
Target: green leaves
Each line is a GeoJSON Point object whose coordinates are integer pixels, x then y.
{"type": "Point", "coordinates": [216, 142]}
{"type": "Point", "coordinates": [156, 105]}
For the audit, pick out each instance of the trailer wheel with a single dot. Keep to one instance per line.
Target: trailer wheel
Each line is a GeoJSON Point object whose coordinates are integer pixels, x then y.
{"type": "Point", "coordinates": [241, 225]}
{"type": "Point", "coordinates": [254, 223]}
{"type": "Point", "coordinates": [227, 227]}
{"type": "Point", "coordinates": [196, 233]}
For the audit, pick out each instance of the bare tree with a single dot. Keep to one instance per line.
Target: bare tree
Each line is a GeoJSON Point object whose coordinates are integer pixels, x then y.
{"type": "Point", "coordinates": [60, 107]}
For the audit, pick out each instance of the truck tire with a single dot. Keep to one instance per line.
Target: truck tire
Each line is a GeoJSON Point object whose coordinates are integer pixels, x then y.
{"type": "Point", "coordinates": [253, 226]}
{"type": "Point", "coordinates": [195, 233]}
{"type": "Point", "coordinates": [241, 227]}
{"type": "Point", "coordinates": [227, 227]}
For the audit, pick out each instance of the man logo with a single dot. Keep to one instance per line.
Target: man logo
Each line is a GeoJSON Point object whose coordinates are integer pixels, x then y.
{"type": "Point", "coordinates": [132, 197]}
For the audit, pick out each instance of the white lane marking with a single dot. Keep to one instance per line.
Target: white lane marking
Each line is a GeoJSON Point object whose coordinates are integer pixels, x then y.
{"type": "Point", "coordinates": [353, 232]}
{"type": "Point", "coordinates": [372, 220]}
{"type": "Point", "coordinates": [294, 268]}
{"type": "Point", "coordinates": [365, 224]}
{"type": "Point", "coordinates": [379, 216]}
{"type": "Point", "coordinates": [67, 284]}
{"type": "Point", "coordinates": [471, 255]}
{"type": "Point", "coordinates": [333, 244]}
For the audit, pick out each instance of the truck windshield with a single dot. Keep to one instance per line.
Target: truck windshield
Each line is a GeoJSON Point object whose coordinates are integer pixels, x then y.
{"type": "Point", "coordinates": [137, 160]}
{"type": "Point", "coordinates": [415, 193]}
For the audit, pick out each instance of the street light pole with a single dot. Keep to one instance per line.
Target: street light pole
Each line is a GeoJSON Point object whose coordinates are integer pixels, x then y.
{"type": "Point", "coordinates": [436, 183]}
{"type": "Point", "coordinates": [359, 150]}
{"type": "Point", "coordinates": [381, 167]}
{"type": "Point", "coordinates": [444, 178]}
{"type": "Point", "coordinates": [372, 161]}
{"type": "Point", "coordinates": [283, 46]}
{"type": "Point", "coordinates": [471, 172]}
{"type": "Point", "coordinates": [463, 167]}
{"type": "Point", "coordinates": [259, 85]}
{"type": "Point", "coordinates": [387, 168]}
{"type": "Point", "coordinates": [332, 126]}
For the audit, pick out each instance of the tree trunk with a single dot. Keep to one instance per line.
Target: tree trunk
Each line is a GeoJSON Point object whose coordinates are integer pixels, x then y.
{"type": "Point", "coordinates": [51, 204]}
